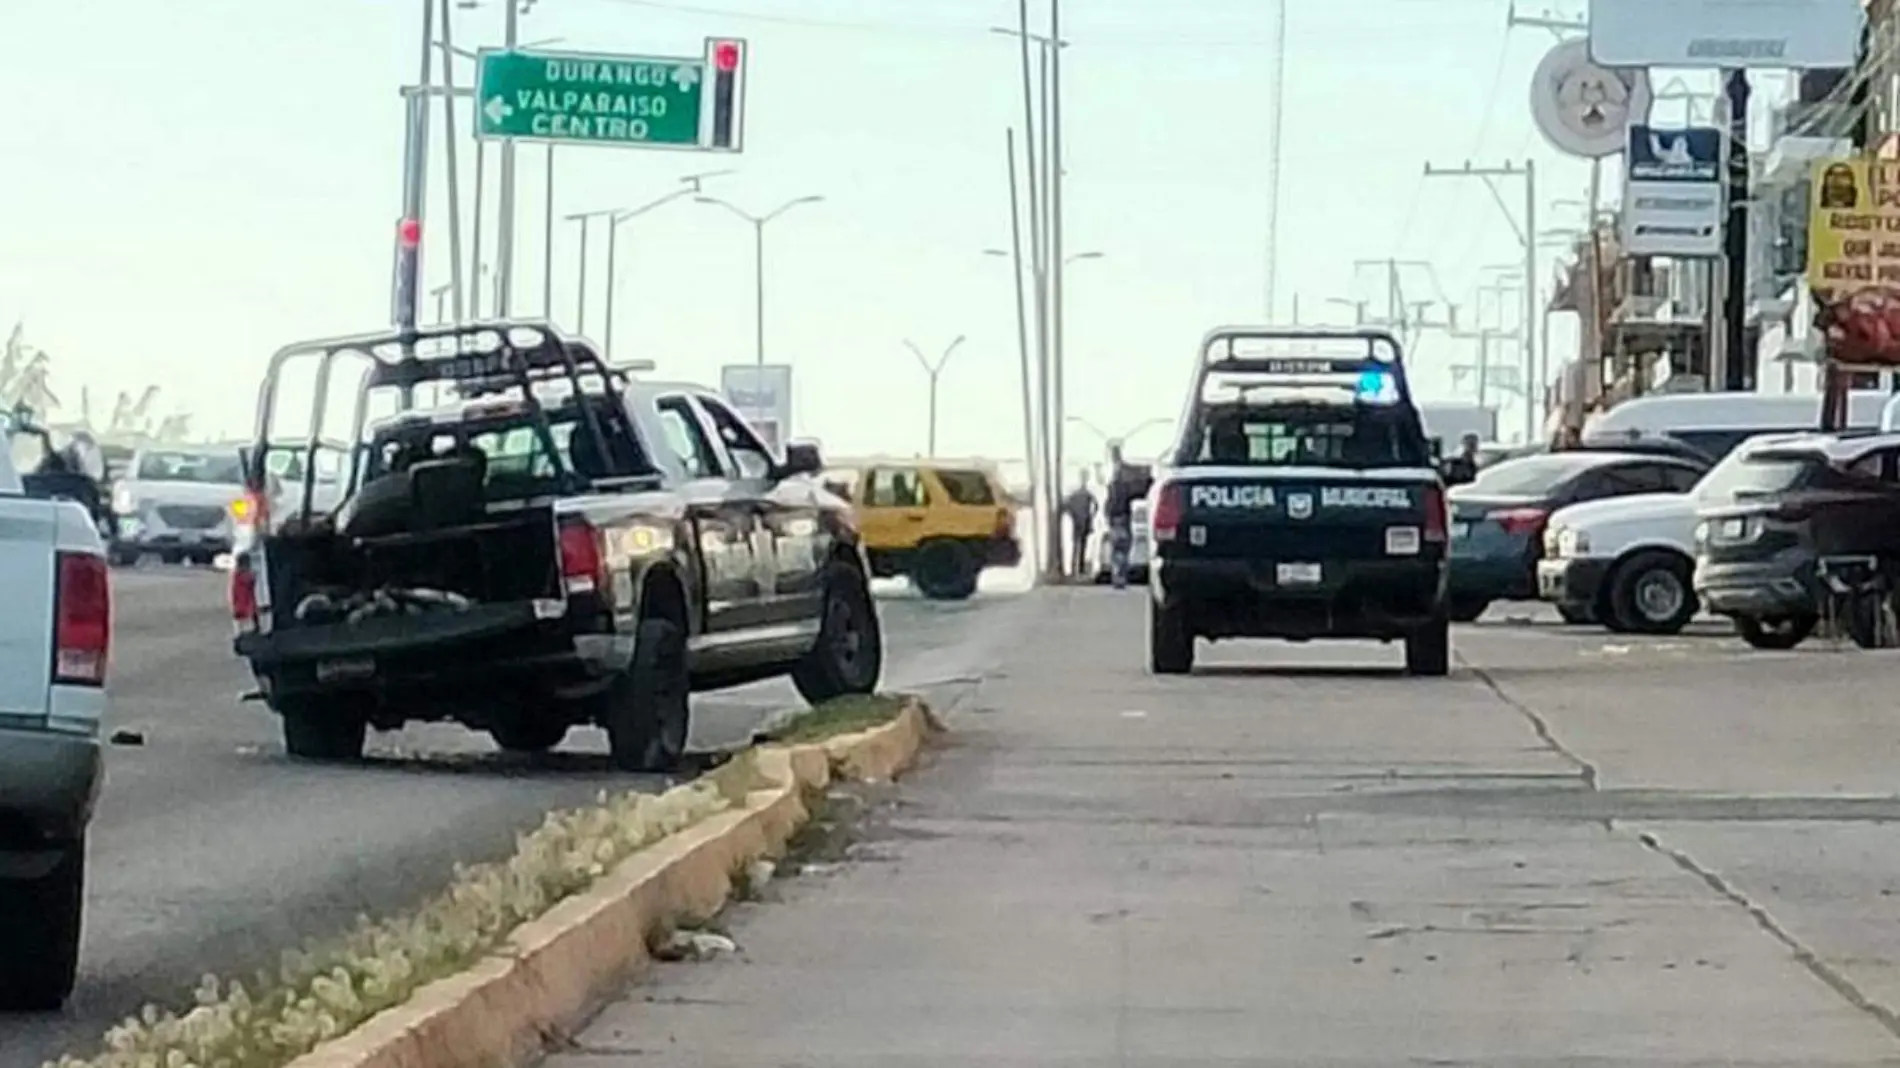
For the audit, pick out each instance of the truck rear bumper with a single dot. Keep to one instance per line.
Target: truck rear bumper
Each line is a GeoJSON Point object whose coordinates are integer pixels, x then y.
{"type": "Point", "coordinates": [1384, 599]}
{"type": "Point", "coordinates": [49, 782]}
{"type": "Point", "coordinates": [435, 661]}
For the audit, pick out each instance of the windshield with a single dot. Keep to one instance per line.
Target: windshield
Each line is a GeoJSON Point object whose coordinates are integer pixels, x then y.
{"type": "Point", "coordinates": [222, 469]}
{"type": "Point", "coordinates": [1528, 476]}
{"type": "Point", "coordinates": [1308, 434]}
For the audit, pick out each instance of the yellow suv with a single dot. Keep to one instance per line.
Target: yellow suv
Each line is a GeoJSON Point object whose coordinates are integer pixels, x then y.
{"type": "Point", "coordinates": [937, 522]}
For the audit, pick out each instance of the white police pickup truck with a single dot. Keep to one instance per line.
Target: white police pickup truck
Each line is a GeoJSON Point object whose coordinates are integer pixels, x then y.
{"type": "Point", "coordinates": [54, 639]}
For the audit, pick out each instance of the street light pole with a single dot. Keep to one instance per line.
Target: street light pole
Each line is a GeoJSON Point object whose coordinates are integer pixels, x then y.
{"type": "Point", "coordinates": [935, 372]}
{"type": "Point", "coordinates": [758, 257]}
{"type": "Point", "coordinates": [505, 240]}
{"type": "Point", "coordinates": [585, 218]}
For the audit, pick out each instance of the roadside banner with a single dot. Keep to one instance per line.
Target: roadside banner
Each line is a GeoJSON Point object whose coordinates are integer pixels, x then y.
{"type": "Point", "coordinates": [1853, 226]}
{"type": "Point", "coordinates": [1673, 198]}
{"type": "Point", "coordinates": [762, 394]}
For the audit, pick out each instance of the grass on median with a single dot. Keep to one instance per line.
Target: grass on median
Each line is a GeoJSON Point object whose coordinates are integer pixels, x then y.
{"type": "Point", "coordinates": [845, 715]}
{"type": "Point", "coordinates": [328, 989]}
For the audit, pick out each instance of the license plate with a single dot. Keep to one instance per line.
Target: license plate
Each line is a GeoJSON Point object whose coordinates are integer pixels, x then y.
{"type": "Point", "coordinates": [1461, 530]}
{"type": "Point", "coordinates": [347, 668]}
{"type": "Point", "coordinates": [1550, 583]}
{"type": "Point", "coordinates": [1401, 541]}
{"type": "Point", "coordinates": [1296, 574]}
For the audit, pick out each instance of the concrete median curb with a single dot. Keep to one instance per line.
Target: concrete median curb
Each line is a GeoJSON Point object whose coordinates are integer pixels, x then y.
{"type": "Point", "coordinates": [553, 970]}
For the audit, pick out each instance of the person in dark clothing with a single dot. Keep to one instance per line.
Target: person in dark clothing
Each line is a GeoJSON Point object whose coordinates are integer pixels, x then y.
{"type": "Point", "coordinates": [1463, 467]}
{"type": "Point", "coordinates": [1080, 508]}
{"type": "Point", "coordinates": [1126, 485]}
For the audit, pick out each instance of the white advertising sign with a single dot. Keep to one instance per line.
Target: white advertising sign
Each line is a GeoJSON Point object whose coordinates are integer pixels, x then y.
{"type": "Point", "coordinates": [762, 394]}
{"type": "Point", "coordinates": [1673, 196]}
{"type": "Point", "coordinates": [1815, 34]}
{"type": "Point", "coordinates": [1582, 107]}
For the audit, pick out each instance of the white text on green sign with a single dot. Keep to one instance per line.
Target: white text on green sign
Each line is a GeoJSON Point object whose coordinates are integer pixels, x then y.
{"type": "Point", "coordinates": [591, 99]}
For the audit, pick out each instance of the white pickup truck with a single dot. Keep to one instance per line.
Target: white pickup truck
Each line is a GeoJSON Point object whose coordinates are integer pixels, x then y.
{"type": "Point", "coordinates": [55, 636]}
{"type": "Point", "coordinates": [1629, 562]}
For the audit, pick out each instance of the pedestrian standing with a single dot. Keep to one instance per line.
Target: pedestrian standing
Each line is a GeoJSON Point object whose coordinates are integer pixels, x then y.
{"type": "Point", "coordinates": [1080, 508]}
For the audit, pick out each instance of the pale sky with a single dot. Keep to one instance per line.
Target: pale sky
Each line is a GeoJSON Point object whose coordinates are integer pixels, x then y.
{"type": "Point", "coordinates": [197, 182]}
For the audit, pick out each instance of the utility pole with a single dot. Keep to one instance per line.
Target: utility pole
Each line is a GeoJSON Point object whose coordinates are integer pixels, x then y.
{"type": "Point", "coordinates": [1527, 235]}
{"type": "Point", "coordinates": [935, 372]}
{"type": "Point", "coordinates": [1276, 112]}
{"type": "Point", "coordinates": [1406, 318]}
{"type": "Point", "coordinates": [1738, 361]}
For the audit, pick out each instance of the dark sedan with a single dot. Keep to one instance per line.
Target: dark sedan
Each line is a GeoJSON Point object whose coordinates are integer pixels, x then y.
{"type": "Point", "coordinates": [1497, 522]}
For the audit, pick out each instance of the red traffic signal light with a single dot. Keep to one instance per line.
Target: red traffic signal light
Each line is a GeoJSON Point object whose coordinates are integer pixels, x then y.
{"type": "Point", "coordinates": [409, 232]}
{"type": "Point", "coordinates": [726, 56]}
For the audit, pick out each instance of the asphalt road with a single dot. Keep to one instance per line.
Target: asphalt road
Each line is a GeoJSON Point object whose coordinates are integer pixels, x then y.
{"type": "Point", "coordinates": [212, 853]}
{"type": "Point", "coordinates": [1580, 849]}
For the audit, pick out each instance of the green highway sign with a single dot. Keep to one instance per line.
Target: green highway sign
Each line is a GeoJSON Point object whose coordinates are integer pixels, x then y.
{"type": "Point", "coordinates": [586, 98]}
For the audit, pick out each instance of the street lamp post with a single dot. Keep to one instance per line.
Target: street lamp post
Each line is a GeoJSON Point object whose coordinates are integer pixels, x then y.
{"type": "Point", "coordinates": [934, 371]}
{"type": "Point", "coordinates": [691, 184]}
{"type": "Point", "coordinates": [758, 257]}
{"type": "Point", "coordinates": [585, 218]}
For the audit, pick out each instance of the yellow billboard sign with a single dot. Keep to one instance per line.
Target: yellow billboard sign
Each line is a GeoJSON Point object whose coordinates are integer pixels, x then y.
{"type": "Point", "coordinates": [1853, 226]}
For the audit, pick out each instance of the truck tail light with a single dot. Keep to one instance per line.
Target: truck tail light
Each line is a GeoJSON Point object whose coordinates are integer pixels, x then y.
{"type": "Point", "coordinates": [243, 592]}
{"type": "Point", "coordinates": [82, 619]}
{"type": "Point", "coordinates": [1435, 507]}
{"type": "Point", "coordinates": [1165, 523]}
{"type": "Point", "coordinates": [583, 559]}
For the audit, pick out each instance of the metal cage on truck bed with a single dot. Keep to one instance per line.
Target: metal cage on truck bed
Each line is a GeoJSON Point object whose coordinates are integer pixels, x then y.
{"type": "Point", "coordinates": [477, 359]}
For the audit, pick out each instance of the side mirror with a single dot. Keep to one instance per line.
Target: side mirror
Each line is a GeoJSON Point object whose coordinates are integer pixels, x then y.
{"type": "Point", "coordinates": [1437, 447]}
{"type": "Point", "coordinates": [801, 458]}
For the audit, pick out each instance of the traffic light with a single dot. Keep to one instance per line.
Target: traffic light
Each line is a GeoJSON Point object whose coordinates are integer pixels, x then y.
{"type": "Point", "coordinates": [726, 59]}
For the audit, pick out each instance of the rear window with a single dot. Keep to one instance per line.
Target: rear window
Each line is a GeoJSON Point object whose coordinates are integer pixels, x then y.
{"type": "Point", "coordinates": [1310, 435]}
{"type": "Point", "coordinates": [1753, 474]}
{"type": "Point", "coordinates": [518, 462]}
{"type": "Point", "coordinates": [210, 468]}
{"type": "Point", "coordinates": [967, 487]}
{"type": "Point", "coordinates": [1530, 475]}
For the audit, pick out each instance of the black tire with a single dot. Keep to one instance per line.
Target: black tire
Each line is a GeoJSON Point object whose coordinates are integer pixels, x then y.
{"type": "Point", "coordinates": [1576, 617]}
{"type": "Point", "coordinates": [1428, 650]}
{"type": "Point", "coordinates": [648, 712]}
{"type": "Point", "coordinates": [1467, 609]}
{"type": "Point", "coordinates": [329, 732]}
{"type": "Point", "coordinates": [1776, 634]}
{"type": "Point", "coordinates": [944, 570]}
{"type": "Point", "coordinates": [1860, 618]}
{"type": "Point", "coordinates": [1170, 642]}
{"type": "Point", "coordinates": [40, 922]}
{"type": "Point", "coordinates": [172, 559]}
{"type": "Point", "coordinates": [849, 655]}
{"type": "Point", "coordinates": [1652, 593]}
{"type": "Point", "coordinates": [532, 734]}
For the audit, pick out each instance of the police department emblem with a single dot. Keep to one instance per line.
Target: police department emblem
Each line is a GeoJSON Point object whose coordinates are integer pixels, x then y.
{"type": "Point", "coordinates": [1299, 505]}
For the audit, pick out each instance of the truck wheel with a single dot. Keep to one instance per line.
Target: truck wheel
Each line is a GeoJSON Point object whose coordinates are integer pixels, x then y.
{"type": "Point", "coordinates": [1170, 642]}
{"type": "Point", "coordinates": [1468, 609]}
{"type": "Point", "coordinates": [1650, 594]}
{"type": "Point", "coordinates": [528, 734]}
{"type": "Point", "coordinates": [648, 715]}
{"type": "Point", "coordinates": [1428, 650]}
{"type": "Point", "coordinates": [944, 570]}
{"type": "Point", "coordinates": [329, 731]}
{"type": "Point", "coordinates": [1775, 633]}
{"type": "Point", "coordinates": [849, 655]}
{"type": "Point", "coordinates": [40, 925]}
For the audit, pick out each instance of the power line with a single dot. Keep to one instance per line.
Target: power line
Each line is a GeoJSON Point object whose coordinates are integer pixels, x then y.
{"type": "Point", "coordinates": [1445, 219]}
{"type": "Point", "coordinates": [1138, 38]}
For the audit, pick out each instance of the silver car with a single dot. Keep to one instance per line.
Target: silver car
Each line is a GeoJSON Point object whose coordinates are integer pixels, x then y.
{"type": "Point", "coordinates": [175, 503]}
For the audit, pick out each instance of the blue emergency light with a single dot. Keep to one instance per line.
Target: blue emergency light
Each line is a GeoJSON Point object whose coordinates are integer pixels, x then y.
{"type": "Point", "coordinates": [1376, 386]}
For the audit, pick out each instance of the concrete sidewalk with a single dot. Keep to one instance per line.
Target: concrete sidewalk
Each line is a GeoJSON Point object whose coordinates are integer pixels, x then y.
{"type": "Point", "coordinates": [1312, 867]}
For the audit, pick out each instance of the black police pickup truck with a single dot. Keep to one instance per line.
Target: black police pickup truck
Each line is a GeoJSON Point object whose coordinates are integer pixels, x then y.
{"type": "Point", "coordinates": [557, 545]}
{"type": "Point", "coordinates": [1300, 502]}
